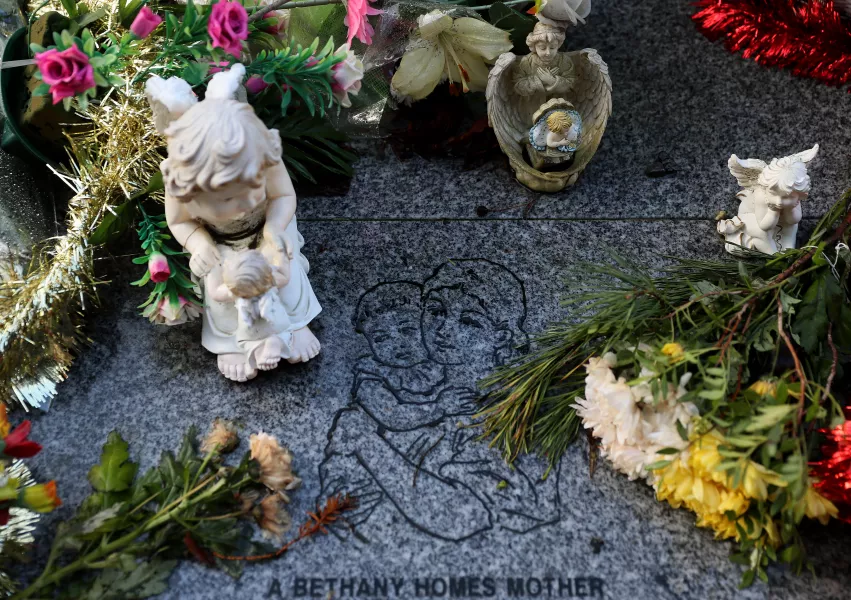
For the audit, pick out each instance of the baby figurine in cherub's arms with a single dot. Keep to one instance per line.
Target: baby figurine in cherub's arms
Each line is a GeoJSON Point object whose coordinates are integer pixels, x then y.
{"type": "Point", "coordinates": [228, 191]}
{"type": "Point", "coordinates": [555, 135]}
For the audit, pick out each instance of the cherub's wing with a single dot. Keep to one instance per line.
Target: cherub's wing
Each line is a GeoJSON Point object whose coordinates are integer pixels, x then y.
{"type": "Point", "coordinates": [746, 171]}
{"type": "Point", "coordinates": [592, 97]}
{"type": "Point", "coordinates": [505, 116]}
{"type": "Point", "coordinates": [503, 113]}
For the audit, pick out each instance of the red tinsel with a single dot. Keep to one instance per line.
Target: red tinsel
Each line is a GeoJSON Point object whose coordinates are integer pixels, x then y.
{"type": "Point", "coordinates": [807, 36]}
{"type": "Point", "coordinates": [833, 471]}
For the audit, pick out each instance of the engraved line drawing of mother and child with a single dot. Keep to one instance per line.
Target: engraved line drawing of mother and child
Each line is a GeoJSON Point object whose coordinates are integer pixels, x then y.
{"type": "Point", "coordinates": [404, 446]}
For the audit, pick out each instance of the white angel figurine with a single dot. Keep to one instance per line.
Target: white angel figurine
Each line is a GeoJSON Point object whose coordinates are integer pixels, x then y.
{"type": "Point", "coordinates": [264, 329]}
{"type": "Point", "coordinates": [227, 190]}
{"type": "Point", "coordinates": [521, 90]}
{"type": "Point", "coordinates": [770, 207]}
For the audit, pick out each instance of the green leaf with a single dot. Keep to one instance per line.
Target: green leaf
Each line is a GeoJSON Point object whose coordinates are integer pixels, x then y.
{"type": "Point", "coordinates": [36, 49]}
{"type": "Point", "coordinates": [115, 473]}
{"type": "Point", "coordinates": [133, 580]}
{"type": "Point", "coordinates": [113, 225]}
{"type": "Point", "coordinates": [515, 23]}
{"type": "Point", "coordinates": [70, 7]}
{"type": "Point", "coordinates": [713, 395]}
{"type": "Point", "coordinates": [41, 90]}
{"type": "Point", "coordinates": [195, 73]}
{"type": "Point", "coordinates": [659, 464]}
{"type": "Point", "coordinates": [811, 322]}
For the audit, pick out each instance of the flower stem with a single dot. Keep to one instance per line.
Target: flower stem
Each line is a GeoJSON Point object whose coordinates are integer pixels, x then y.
{"type": "Point", "coordinates": [509, 3]}
{"type": "Point", "coordinates": [281, 4]}
{"type": "Point", "coordinates": [164, 515]}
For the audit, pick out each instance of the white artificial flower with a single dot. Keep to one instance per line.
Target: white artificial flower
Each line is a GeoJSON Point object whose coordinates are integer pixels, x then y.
{"type": "Point", "coordinates": [446, 48]}
{"type": "Point", "coordinates": [631, 427]}
{"type": "Point", "coordinates": [347, 76]}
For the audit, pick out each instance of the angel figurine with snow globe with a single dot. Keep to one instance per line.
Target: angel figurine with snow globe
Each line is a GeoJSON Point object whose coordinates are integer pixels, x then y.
{"type": "Point", "coordinates": [549, 108]}
{"type": "Point", "coordinates": [227, 193]}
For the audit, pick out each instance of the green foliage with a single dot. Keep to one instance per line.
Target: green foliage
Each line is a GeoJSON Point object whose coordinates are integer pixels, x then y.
{"type": "Point", "coordinates": [179, 284]}
{"type": "Point", "coordinates": [517, 24]}
{"type": "Point", "coordinates": [780, 320]}
{"type": "Point", "coordinates": [311, 146]}
{"type": "Point", "coordinates": [299, 74]}
{"type": "Point", "coordinates": [187, 506]}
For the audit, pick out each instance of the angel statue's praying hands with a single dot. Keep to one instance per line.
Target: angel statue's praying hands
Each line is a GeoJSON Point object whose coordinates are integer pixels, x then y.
{"type": "Point", "coordinates": [545, 73]}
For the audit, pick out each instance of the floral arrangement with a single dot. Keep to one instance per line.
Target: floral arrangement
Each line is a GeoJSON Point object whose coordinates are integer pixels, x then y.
{"type": "Point", "coordinates": [21, 499]}
{"type": "Point", "coordinates": [95, 66]}
{"type": "Point", "coordinates": [174, 299]}
{"type": "Point", "coordinates": [720, 384]}
{"type": "Point", "coordinates": [127, 537]}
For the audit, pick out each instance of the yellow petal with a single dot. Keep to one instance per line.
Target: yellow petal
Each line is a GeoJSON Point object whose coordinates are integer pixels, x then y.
{"type": "Point", "coordinates": [419, 72]}
{"type": "Point", "coordinates": [479, 37]}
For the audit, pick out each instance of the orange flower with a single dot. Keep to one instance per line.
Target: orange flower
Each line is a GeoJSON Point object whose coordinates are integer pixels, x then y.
{"type": "Point", "coordinates": [5, 426]}
{"type": "Point", "coordinates": [41, 498]}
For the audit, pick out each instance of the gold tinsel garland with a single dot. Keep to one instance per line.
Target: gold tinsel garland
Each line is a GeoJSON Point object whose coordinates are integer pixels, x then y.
{"type": "Point", "coordinates": [111, 160]}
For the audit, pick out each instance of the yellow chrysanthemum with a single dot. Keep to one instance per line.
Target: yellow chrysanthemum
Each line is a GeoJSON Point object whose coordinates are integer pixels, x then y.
{"type": "Point", "coordinates": [5, 426]}
{"type": "Point", "coordinates": [764, 388]}
{"type": "Point", "coordinates": [819, 507]}
{"type": "Point", "coordinates": [680, 486]}
{"type": "Point", "coordinates": [673, 350]}
{"type": "Point", "coordinates": [700, 486]}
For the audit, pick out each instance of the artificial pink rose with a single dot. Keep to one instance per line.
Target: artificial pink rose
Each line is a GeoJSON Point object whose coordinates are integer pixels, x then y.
{"type": "Point", "coordinates": [158, 267]}
{"type": "Point", "coordinates": [255, 84]}
{"type": "Point", "coordinates": [346, 77]}
{"type": "Point", "coordinates": [68, 73]}
{"type": "Point", "coordinates": [357, 13]}
{"type": "Point", "coordinates": [145, 22]}
{"type": "Point", "coordinates": [228, 27]}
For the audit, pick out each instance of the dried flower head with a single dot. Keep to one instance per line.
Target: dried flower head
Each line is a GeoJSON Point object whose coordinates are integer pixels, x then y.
{"type": "Point", "coordinates": [272, 516]}
{"type": "Point", "coordinates": [222, 437]}
{"type": "Point", "coordinates": [275, 463]}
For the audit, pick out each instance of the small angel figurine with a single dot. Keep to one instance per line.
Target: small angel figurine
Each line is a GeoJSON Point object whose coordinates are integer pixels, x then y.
{"type": "Point", "coordinates": [770, 208]}
{"type": "Point", "coordinates": [522, 90]}
{"type": "Point", "coordinates": [555, 136]}
{"type": "Point", "coordinates": [226, 191]}
{"type": "Point", "coordinates": [264, 329]}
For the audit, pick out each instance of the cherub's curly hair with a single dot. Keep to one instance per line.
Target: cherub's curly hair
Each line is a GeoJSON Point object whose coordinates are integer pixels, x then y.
{"type": "Point", "coordinates": [559, 121]}
{"type": "Point", "coordinates": [215, 143]}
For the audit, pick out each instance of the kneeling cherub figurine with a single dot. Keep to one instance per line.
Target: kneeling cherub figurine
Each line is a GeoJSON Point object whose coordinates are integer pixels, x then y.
{"type": "Point", "coordinates": [227, 192]}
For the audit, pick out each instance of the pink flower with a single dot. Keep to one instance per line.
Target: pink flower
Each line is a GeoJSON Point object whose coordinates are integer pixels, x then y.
{"type": "Point", "coordinates": [228, 27]}
{"type": "Point", "coordinates": [166, 314]}
{"type": "Point", "coordinates": [145, 22]}
{"type": "Point", "coordinates": [158, 267]}
{"type": "Point", "coordinates": [356, 20]}
{"type": "Point", "coordinates": [346, 77]}
{"type": "Point", "coordinates": [255, 84]}
{"type": "Point", "coordinates": [68, 73]}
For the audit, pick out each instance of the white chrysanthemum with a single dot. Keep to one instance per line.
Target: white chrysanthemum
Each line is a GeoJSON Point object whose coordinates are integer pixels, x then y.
{"type": "Point", "coordinates": [631, 426]}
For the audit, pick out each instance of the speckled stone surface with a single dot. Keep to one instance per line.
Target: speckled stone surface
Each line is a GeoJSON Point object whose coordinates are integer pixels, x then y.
{"type": "Point", "coordinates": [674, 92]}
{"type": "Point", "coordinates": [150, 383]}
{"type": "Point", "coordinates": [388, 257]}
